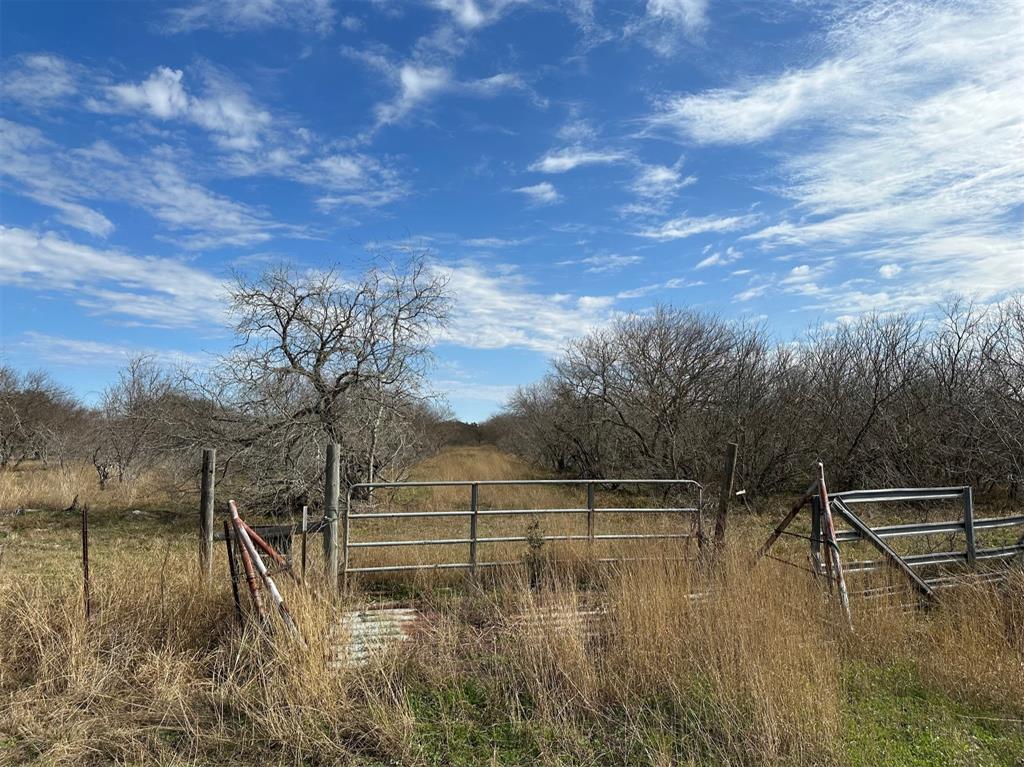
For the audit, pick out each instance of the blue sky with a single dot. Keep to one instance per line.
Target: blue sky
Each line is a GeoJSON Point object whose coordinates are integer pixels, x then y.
{"type": "Point", "coordinates": [562, 162]}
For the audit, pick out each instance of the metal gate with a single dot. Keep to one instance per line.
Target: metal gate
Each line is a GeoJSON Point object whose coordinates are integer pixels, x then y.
{"type": "Point", "coordinates": [477, 511]}
{"type": "Point", "coordinates": [971, 555]}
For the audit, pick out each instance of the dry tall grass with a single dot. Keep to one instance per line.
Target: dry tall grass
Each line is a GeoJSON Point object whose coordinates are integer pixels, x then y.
{"type": "Point", "coordinates": [754, 675]}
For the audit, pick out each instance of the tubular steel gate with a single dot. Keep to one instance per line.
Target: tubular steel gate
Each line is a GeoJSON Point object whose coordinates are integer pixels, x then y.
{"type": "Point", "coordinates": [473, 514]}
{"type": "Point", "coordinates": [967, 525]}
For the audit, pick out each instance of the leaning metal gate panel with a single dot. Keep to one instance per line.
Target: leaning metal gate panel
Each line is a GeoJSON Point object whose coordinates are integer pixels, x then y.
{"type": "Point", "coordinates": [968, 525]}
{"type": "Point", "coordinates": [473, 541]}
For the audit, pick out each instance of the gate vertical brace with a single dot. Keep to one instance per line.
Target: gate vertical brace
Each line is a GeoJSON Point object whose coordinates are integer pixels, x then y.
{"type": "Point", "coordinates": [474, 507]}
{"type": "Point", "coordinates": [206, 493]}
{"type": "Point", "coordinates": [332, 489]}
{"type": "Point", "coordinates": [969, 526]}
{"type": "Point", "coordinates": [591, 521]}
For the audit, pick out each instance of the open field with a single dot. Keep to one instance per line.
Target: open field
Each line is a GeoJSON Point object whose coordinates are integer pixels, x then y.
{"type": "Point", "coordinates": [764, 673]}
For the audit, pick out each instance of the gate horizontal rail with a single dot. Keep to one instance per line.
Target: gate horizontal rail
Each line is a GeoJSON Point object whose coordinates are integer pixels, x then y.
{"type": "Point", "coordinates": [474, 513]}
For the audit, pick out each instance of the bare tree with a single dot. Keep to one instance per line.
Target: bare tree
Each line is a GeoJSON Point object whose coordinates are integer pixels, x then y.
{"type": "Point", "coordinates": [321, 358]}
{"type": "Point", "coordinates": [131, 427]}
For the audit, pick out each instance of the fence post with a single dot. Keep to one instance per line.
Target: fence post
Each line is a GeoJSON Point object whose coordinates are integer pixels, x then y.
{"type": "Point", "coordinates": [233, 570]}
{"type": "Point", "coordinates": [206, 514]}
{"type": "Point", "coordinates": [969, 525]}
{"type": "Point", "coordinates": [332, 491]}
{"type": "Point", "coordinates": [816, 535]}
{"type": "Point", "coordinates": [725, 494]}
{"type": "Point", "coordinates": [474, 507]}
{"type": "Point", "coordinates": [86, 596]}
{"type": "Point", "coordinates": [590, 514]}
{"type": "Point", "coordinates": [305, 531]}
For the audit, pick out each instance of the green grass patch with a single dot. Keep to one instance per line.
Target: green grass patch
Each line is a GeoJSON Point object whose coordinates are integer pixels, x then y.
{"type": "Point", "coordinates": [892, 718]}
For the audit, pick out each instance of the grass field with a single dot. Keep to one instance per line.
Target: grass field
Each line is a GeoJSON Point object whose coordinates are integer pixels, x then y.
{"type": "Point", "coordinates": [764, 673]}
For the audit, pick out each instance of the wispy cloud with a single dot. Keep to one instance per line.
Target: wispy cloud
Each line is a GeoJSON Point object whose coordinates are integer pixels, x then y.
{"type": "Point", "coordinates": [39, 80]}
{"type": "Point", "coordinates": [917, 160]}
{"type": "Point", "coordinates": [719, 257]}
{"type": "Point", "coordinates": [501, 310]}
{"type": "Point", "coordinates": [666, 24]}
{"type": "Point", "coordinates": [36, 168]}
{"type": "Point", "coordinates": [66, 178]}
{"type": "Point", "coordinates": [543, 193]}
{"type": "Point", "coordinates": [675, 283]}
{"type": "Point", "coordinates": [605, 262]}
{"type": "Point", "coordinates": [429, 74]}
{"type": "Point", "coordinates": [233, 15]}
{"type": "Point", "coordinates": [146, 290]}
{"type": "Point", "coordinates": [472, 14]}
{"type": "Point", "coordinates": [563, 160]}
{"type": "Point", "coordinates": [59, 350]}
{"type": "Point", "coordinates": [688, 226]}
{"type": "Point", "coordinates": [225, 108]}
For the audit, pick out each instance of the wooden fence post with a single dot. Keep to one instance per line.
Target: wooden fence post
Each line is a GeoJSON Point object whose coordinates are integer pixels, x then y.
{"type": "Point", "coordinates": [206, 514]}
{"type": "Point", "coordinates": [725, 494]}
{"type": "Point", "coordinates": [305, 531]}
{"type": "Point", "coordinates": [332, 493]}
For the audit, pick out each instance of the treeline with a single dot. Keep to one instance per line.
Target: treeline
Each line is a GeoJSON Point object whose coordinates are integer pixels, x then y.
{"type": "Point", "coordinates": [893, 400]}
{"type": "Point", "coordinates": [318, 357]}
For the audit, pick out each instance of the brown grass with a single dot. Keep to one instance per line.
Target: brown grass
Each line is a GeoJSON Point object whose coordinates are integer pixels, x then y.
{"type": "Point", "coordinates": [755, 675]}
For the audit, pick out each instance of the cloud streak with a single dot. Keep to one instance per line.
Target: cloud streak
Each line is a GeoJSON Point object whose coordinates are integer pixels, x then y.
{"type": "Point", "coordinates": [143, 290]}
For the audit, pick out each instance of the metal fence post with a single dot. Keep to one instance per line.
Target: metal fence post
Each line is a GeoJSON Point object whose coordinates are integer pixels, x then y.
{"type": "Point", "coordinates": [332, 491]}
{"type": "Point", "coordinates": [474, 507]}
{"type": "Point", "coordinates": [206, 514]}
{"type": "Point", "coordinates": [590, 514]}
{"type": "Point", "coordinates": [969, 525]}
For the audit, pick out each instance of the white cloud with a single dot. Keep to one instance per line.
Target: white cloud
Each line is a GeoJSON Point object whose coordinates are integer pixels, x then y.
{"type": "Point", "coordinates": [225, 109]}
{"type": "Point", "coordinates": [66, 178]}
{"type": "Point", "coordinates": [494, 242]}
{"type": "Point", "coordinates": [666, 24]}
{"type": "Point", "coordinates": [495, 311]}
{"type": "Point", "coordinates": [720, 258]}
{"type": "Point", "coordinates": [58, 350]}
{"type": "Point", "coordinates": [39, 80]}
{"type": "Point", "coordinates": [675, 283]}
{"type": "Point", "coordinates": [689, 14]}
{"type": "Point", "coordinates": [234, 15]}
{"type": "Point", "coordinates": [915, 160]}
{"type": "Point", "coordinates": [605, 262]}
{"type": "Point", "coordinates": [660, 181]}
{"type": "Point", "coordinates": [150, 290]}
{"type": "Point", "coordinates": [562, 160]}
{"type": "Point", "coordinates": [417, 84]}
{"type": "Point", "coordinates": [688, 226]}
{"type": "Point", "coordinates": [423, 79]}
{"type": "Point", "coordinates": [736, 116]}
{"type": "Point", "coordinates": [889, 270]}
{"type": "Point", "coordinates": [494, 394]}
{"type": "Point", "coordinates": [471, 14]}
{"type": "Point", "coordinates": [34, 165]}
{"type": "Point", "coordinates": [541, 194]}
